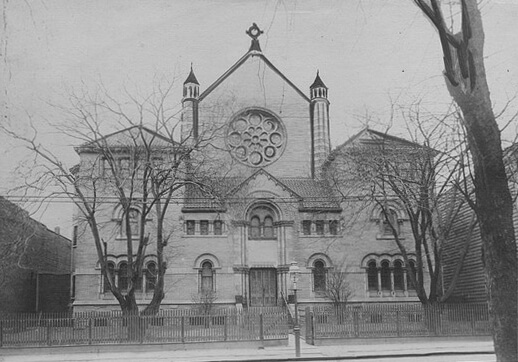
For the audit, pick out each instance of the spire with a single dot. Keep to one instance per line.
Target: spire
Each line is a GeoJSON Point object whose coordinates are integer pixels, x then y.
{"type": "Point", "coordinates": [191, 78]}
{"type": "Point", "coordinates": [318, 89]}
{"type": "Point", "coordinates": [254, 32]}
{"type": "Point", "coordinates": [191, 87]}
{"type": "Point", "coordinates": [318, 82]}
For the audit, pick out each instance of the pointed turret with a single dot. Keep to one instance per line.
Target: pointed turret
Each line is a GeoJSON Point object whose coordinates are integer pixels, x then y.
{"type": "Point", "coordinates": [191, 93]}
{"type": "Point", "coordinates": [318, 89]}
{"type": "Point", "coordinates": [319, 113]}
{"type": "Point", "coordinates": [191, 87]}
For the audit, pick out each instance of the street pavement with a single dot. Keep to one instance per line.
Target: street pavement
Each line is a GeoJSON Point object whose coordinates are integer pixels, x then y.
{"type": "Point", "coordinates": [450, 350]}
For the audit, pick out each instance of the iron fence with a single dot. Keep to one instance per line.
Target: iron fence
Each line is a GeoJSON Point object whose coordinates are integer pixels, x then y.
{"type": "Point", "coordinates": [396, 320]}
{"type": "Point", "coordinates": [169, 326]}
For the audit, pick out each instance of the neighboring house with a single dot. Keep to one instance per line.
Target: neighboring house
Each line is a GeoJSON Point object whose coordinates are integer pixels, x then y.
{"type": "Point", "coordinates": [463, 259]}
{"type": "Point", "coordinates": [269, 143]}
{"type": "Point", "coordinates": [35, 264]}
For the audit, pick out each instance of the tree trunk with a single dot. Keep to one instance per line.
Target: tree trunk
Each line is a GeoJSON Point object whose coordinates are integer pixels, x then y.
{"type": "Point", "coordinates": [466, 81]}
{"type": "Point", "coordinates": [132, 318]}
{"type": "Point", "coordinates": [494, 206]}
{"type": "Point", "coordinates": [495, 214]}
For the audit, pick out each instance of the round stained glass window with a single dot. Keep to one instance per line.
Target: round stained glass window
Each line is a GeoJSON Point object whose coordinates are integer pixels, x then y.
{"type": "Point", "coordinates": [256, 137]}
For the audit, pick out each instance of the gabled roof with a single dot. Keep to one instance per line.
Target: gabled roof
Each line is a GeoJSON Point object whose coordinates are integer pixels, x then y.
{"type": "Point", "coordinates": [129, 137]}
{"type": "Point", "coordinates": [378, 137]}
{"type": "Point", "coordinates": [253, 52]}
{"type": "Point", "coordinates": [309, 193]}
{"type": "Point", "coordinates": [269, 176]}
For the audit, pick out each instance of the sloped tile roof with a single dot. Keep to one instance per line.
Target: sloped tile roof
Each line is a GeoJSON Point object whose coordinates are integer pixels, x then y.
{"type": "Point", "coordinates": [311, 194]}
{"type": "Point", "coordinates": [315, 194]}
{"type": "Point", "coordinates": [130, 137]}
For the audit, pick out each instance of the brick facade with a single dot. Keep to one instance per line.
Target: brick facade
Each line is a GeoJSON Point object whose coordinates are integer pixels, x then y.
{"type": "Point", "coordinates": [249, 243]}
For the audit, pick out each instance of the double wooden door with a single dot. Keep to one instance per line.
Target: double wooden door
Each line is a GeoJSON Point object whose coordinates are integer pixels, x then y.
{"type": "Point", "coordinates": [263, 287]}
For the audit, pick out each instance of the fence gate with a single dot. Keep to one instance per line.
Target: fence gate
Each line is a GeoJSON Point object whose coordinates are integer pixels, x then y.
{"type": "Point", "coordinates": [263, 287]}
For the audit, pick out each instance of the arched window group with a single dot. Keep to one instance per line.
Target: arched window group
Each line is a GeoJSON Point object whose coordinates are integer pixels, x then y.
{"type": "Point", "coordinates": [120, 275]}
{"type": "Point", "coordinates": [262, 223]}
{"type": "Point", "coordinates": [389, 277]}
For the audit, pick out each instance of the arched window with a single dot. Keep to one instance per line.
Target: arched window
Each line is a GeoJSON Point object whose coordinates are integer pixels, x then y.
{"type": "Point", "coordinates": [268, 227]}
{"type": "Point", "coordinates": [110, 269]}
{"type": "Point", "coordinates": [411, 270]}
{"type": "Point", "coordinates": [399, 280]}
{"type": "Point", "coordinates": [207, 277]}
{"type": "Point", "coordinates": [255, 227]}
{"type": "Point", "coordinates": [319, 276]}
{"type": "Point", "coordinates": [385, 276]}
{"type": "Point", "coordinates": [372, 276]}
{"type": "Point", "coordinates": [389, 221]}
{"type": "Point", "coordinates": [123, 276]}
{"type": "Point", "coordinates": [134, 223]}
{"type": "Point", "coordinates": [151, 276]}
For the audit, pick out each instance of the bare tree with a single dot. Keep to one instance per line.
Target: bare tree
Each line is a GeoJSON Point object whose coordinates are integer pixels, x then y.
{"type": "Point", "coordinates": [418, 181]}
{"type": "Point", "coordinates": [338, 289]}
{"type": "Point", "coordinates": [466, 81]}
{"type": "Point", "coordinates": [136, 169]}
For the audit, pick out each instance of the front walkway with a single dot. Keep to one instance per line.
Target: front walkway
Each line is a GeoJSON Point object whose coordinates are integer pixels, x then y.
{"type": "Point", "coordinates": [346, 351]}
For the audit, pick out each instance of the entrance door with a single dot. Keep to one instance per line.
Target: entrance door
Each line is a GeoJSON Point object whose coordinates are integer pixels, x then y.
{"type": "Point", "coordinates": [263, 287]}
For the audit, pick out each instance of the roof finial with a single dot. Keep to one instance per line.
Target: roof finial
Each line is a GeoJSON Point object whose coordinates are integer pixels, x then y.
{"type": "Point", "coordinates": [254, 32]}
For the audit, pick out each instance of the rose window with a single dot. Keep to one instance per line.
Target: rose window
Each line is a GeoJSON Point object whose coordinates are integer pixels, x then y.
{"type": "Point", "coordinates": [256, 137]}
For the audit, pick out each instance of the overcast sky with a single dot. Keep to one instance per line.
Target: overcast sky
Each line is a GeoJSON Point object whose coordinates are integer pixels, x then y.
{"type": "Point", "coordinates": [369, 53]}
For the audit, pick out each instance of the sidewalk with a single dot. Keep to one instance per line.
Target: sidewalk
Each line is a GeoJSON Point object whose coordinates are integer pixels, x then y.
{"type": "Point", "coordinates": [347, 350]}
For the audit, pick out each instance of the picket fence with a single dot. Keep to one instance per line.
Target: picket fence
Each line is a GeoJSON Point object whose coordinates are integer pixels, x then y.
{"type": "Point", "coordinates": [395, 320]}
{"type": "Point", "coordinates": [169, 326]}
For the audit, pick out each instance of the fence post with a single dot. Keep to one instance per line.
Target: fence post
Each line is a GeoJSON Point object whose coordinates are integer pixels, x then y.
{"type": "Point", "coordinates": [49, 331]}
{"type": "Point", "coordinates": [472, 317]}
{"type": "Point", "coordinates": [1, 334]}
{"type": "Point", "coordinates": [310, 322]}
{"type": "Point", "coordinates": [90, 330]}
{"type": "Point", "coordinates": [261, 329]}
{"type": "Point", "coordinates": [141, 328]}
{"type": "Point", "coordinates": [397, 324]}
{"type": "Point", "coordinates": [356, 319]}
{"type": "Point", "coordinates": [183, 329]}
{"type": "Point", "coordinates": [225, 327]}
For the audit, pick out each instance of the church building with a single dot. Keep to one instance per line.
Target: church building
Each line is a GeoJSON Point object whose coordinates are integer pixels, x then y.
{"type": "Point", "coordinates": [269, 140]}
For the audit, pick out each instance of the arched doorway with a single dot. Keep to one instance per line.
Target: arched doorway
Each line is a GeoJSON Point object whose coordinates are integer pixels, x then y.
{"type": "Point", "coordinates": [262, 245]}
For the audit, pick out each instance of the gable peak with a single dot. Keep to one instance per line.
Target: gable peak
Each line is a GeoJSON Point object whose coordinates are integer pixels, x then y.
{"type": "Point", "coordinates": [254, 32]}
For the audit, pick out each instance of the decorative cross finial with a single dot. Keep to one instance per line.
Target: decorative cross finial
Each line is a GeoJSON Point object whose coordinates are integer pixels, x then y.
{"type": "Point", "coordinates": [254, 32]}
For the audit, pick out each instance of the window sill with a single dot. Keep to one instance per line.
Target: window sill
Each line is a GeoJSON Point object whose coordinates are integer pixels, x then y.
{"type": "Point", "coordinates": [124, 238]}
{"type": "Point", "coordinates": [388, 237]}
{"type": "Point", "coordinates": [320, 295]}
{"type": "Point", "coordinates": [203, 236]}
{"type": "Point", "coordinates": [328, 236]}
{"type": "Point", "coordinates": [138, 295]}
